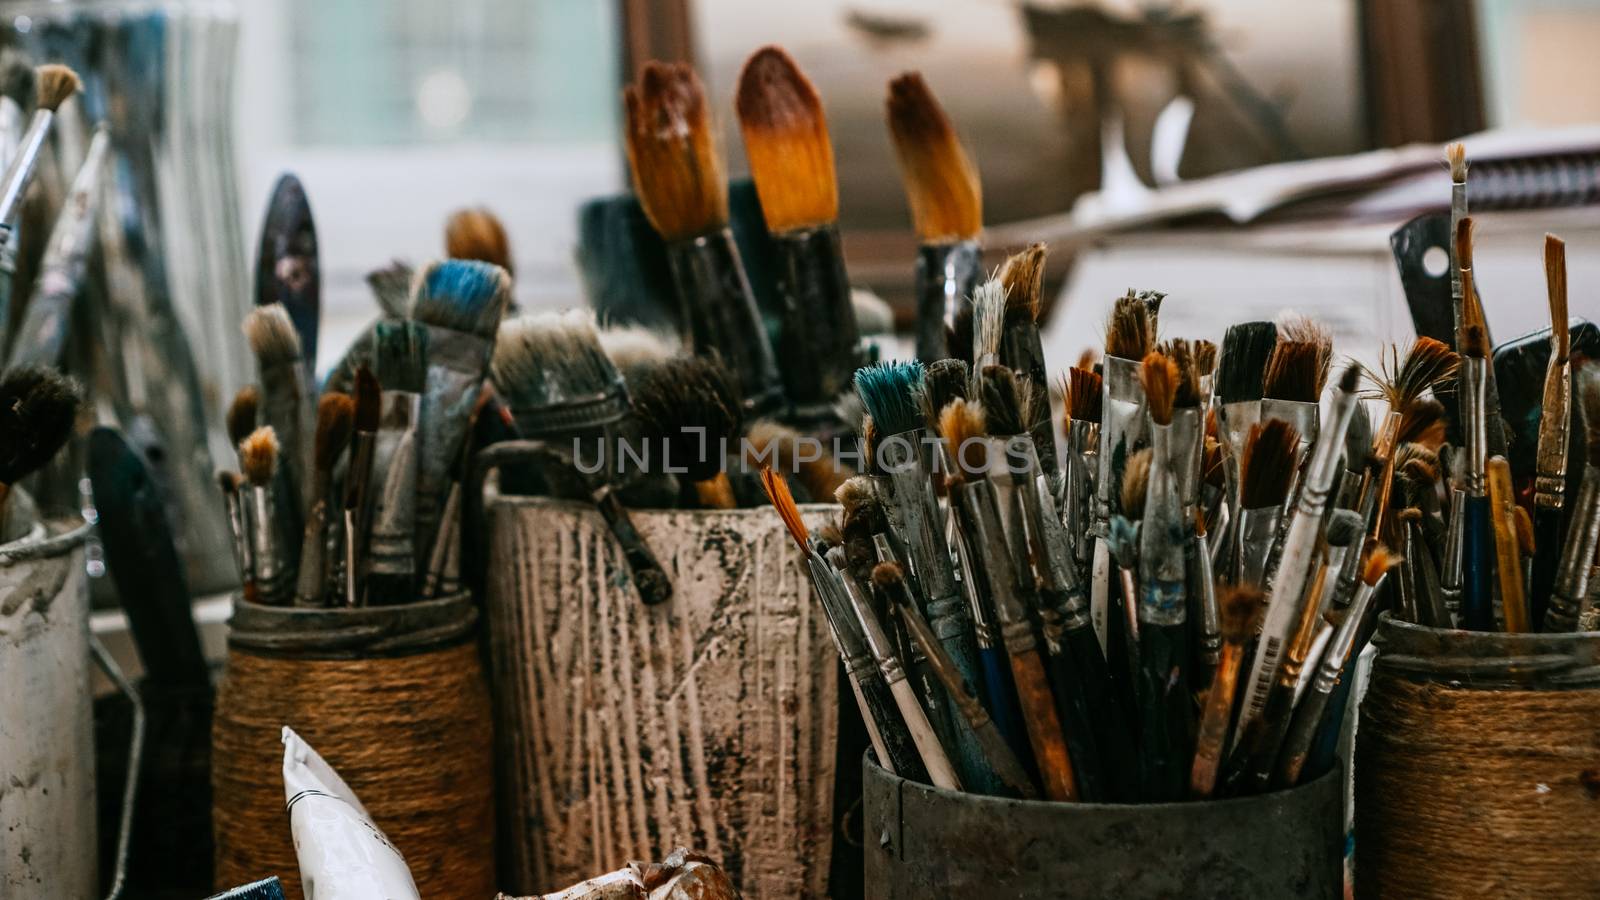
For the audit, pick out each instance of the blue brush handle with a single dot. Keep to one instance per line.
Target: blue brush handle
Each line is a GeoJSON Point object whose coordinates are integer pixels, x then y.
{"type": "Point", "coordinates": [1477, 567]}
{"type": "Point", "coordinates": [966, 753]}
{"type": "Point", "coordinates": [1000, 698]}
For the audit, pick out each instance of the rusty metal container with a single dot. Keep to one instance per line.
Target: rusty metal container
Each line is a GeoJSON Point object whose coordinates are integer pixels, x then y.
{"type": "Point", "coordinates": [625, 730]}
{"type": "Point", "coordinates": [1478, 765]}
{"type": "Point", "coordinates": [923, 841]}
{"type": "Point", "coordinates": [48, 842]}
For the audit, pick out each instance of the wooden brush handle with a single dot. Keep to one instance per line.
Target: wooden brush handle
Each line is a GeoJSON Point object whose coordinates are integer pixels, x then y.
{"type": "Point", "coordinates": [1213, 733]}
{"type": "Point", "coordinates": [1044, 727]}
{"type": "Point", "coordinates": [878, 706]}
{"type": "Point", "coordinates": [940, 771]}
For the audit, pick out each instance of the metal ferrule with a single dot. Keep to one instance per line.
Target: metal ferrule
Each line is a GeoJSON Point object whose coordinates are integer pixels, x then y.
{"type": "Point", "coordinates": [1204, 585]}
{"type": "Point", "coordinates": [1001, 567]}
{"type": "Point", "coordinates": [912, 509]}
{"type": "Point", "coordinates": [1051, 544]}
{"type": "Point", "coordinates": [1011, 466]}
{"type": "Point", "coordinates": [1023, 351]}
{"type": "Point", "coordinates": [577, 417]}
{"type": "Point", "coordinates": [1572, 574]}
{"type": "Point", "coordinates": [1550, 478]}
{"type": "Point", "coordinates": [1121, 427]}
{"type": "Point", "coordinates": [717, 310]}
{"type": "Point", "coordinates": [1303, 416]}
{"type": "Point", "coordinates": [1474, 375]}
{"type": "Point", "coordinates": [1458, 210]}
{"type": "Point", "coordinates": [1184, 450]}
{"type": "Point", "coordinates": [1234, 421]}
{"type": "Point", "coordinates": [1163, 574]}
{"type": "Point", "coordinates": [1257, 528]}
{"type": "Point", "coordinates": [817, 347]}
{"type": "Point", "coordinates": [946, 275]}
{"type": "Point", "coordinates": [15, 182]}
{"type": "Point", "coordinates": [42, 335]}
{"type": "Point", "coordinates": [241, 535]}
{"type": "Point", "coordinates": [1083, 464]}
{"type": "Point", "coordinates": [1329, 589]}
{"type": "Point", "coordinates": [978, 604]}
{"type": "Point", "coordinates": [877, 639]}
{"type": "Point", "coordinates": [835, 594]}
{"type": "Point", "coordinates": [391, 549]}
{"type": "Point", "coordinates": [272, 576]}
{"type": "Point", "coordinates": [1450, 578]}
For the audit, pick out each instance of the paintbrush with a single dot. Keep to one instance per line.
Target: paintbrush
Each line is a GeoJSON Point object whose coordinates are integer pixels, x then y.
{"type": "Point", "coordinates": [1508, 563]}
{"type": "Point", "coordinates": [335, 420]}
{"type": "Point", "coordinates": [240, 421]}
{"type": "Point", "coordinates": [1034, 532]}
{"type": "Point", "coordinates": [891, 393]}
{"type": "Point", "coordinates": [1130, 334]}
{"type": "Point", "coordinates": [1567, 596]}
{"type": "Point", "coordinates": [461, 303]}
{"type": "Point", "coordinates": [400, 360]}
{"type": "Point", "coordinates": [1022, 277]}
{"type": "Point", "coordinates": [1162, 687]}
{"type": "Point", "coordinates": [357, 505]}
{"type": "Point", "coordinates": [47, 319]}
{"type": "Point", "coordinates": [287, 267]}
{"type": "Point", "coordinates": [791, 161]}
{"type": "Point", "coordinates": [1187, 440]}
{"type": "Point", "coordinates": [1205, 361]}
{"type": "Point", "coordinates": [16, 93]}
{"type": "Point", "coordinates": [53, 84]}
{"type": "Point", "coordinates": [478, 234]}
{"type": "Point", "coordinates": [633, 348]}
{"type": "Point", "coordinates": [285, 405]}
{"type": "Point", "coordinates": [1241, 608]}
{"type": "Point", "coordinates": [230, 483]}
{"type": "Point", "coordinates": [978, 510]}
{"type": "Point", "coordinates": [1290, 621]}
{"type": "Point", "coordinates": [1344, 538]}
{"type": "Point", "coordinates": [1084, 399]}
{"type": "Point", "coordinates": [1455, 155]}
{"type": "Point", "coordinates": [889, 578]}
{"type": "Point", "coordinates": [1292, 387]}
{"type": "Point", "coordinates": [1477, 612]}
{"type": "Point", "coordinates": [391, 288]}
{"type": "Point", "coordinates": [1428, 366]}
{"type": "Point", "coordinates": [1550, 480]}
{"type": "Point", "coordinates": [1309, 713]}
{"type": "Point", "coordinates": [892, 738]}
{"type": "Point", "coordinates": [1241, 379]}
{"type": "Point", "coordinates": [1266, 469]}
{"type": "Point", "coordinates": [678, 173]}
{"type": "Point", "coordinates": [258, 457]}
{"type": "Point", "coordinates": [946, 198]}
{"type": "Point", "coordinates": [37, 409]}
{"type": "Point", "coordinates": [690, 409]}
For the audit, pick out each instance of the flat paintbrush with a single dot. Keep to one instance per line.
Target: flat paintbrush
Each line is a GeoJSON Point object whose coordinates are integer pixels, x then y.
{"type": "Point", "coordinates": [1507, 551]}
{"type": "Point", "coordinates": [478, 234]}
{"type": "Point", "coordinates": [1241, 609]}
{"type": "Point", "coordinates": [400, 362]}
{"type": "Point", "coordinates": [1477, 549]}
{"type": "Point", "coordinates": [1130, 334]}
{"type": "Point", "coordinates": [1266, 469]}
{"type": "Point", "coordinates": [946, 200]}
{"type": "Point", "coordinates": [890, 579]}
{"type": "Point", "coordinates": [1568, 596]}
{"type": "Point", "coordinates": [335, 419]}
{"type": "Point", "coordinates": [1550, 481]}
{"type": "Point", "coordinates": [791, 161]}
{"type": "Point", "coordinates": [53, 84]}
{"type": "Point", "coordinates": [286, 406]}
{"type": "Point", "coordinates": [678, 174]}
{"type": "Point", "coordinates": [258, 456]}
{"type": "Point", "coordinates": [1083, 393]}
{"type": "Point", "coordinates": [1022, 277]}
{"type": "Point", "coordinates": [1295, 375]}
{"type": "Point", "coordinates": [287, 267]}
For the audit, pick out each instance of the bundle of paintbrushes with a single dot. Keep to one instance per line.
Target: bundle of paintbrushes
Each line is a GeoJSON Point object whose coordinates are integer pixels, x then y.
{"type": "Point", "coordinates": [349, 499]}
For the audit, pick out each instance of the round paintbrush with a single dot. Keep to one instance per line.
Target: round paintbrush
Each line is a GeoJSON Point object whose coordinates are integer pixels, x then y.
{"type": "Point", "coordinates": [53, 85]}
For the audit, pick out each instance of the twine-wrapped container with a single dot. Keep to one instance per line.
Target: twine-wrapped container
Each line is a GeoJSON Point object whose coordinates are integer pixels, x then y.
{"type": "Point", "coordinates": [624, 730]}
{"type": "Point", "coordinates": [1478, 765]}
{"type": "Point", "coordinates": [394, 698]}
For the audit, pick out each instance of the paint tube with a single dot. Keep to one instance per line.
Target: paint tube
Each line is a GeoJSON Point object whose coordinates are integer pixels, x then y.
{"type": "Point", "coordinates": [265, 889]}
{"type": "Point", "coordinates": [343, 855]}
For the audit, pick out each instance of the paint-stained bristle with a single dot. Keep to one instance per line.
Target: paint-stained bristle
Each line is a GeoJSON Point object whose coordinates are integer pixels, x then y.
{"type": "Point", "coordinates": [16, 78]}
{"type": "Point", "coordinates": [462, 295]}
{"type": "Point", "coordinates": [1022, 276]}
{"type": "Point", "coordinates": [1159, 377]}
{"type": "Point", "coordinates": [1085, 394]}
{"type": "Point", "coordinates": [1205, 357]}
{"type": "Point", "coordinates": [258, 456]}
{"type": "Point", "coordinates": [1555, 278]}
{"type": "Point", "coordinates": [368, 400]}
{"type": "Point", "coordinates": [786, 143]}
{"type": "Point", "coordinates": [38, 407]}
{"type": "Point", "coordinates": [677, 171]}
{"type": "Point", "coordinates": [1002, 399]}
{"type": "Point", "coordinates": [941, 182]}
{"type": "Point", "coordinates": [1241, 607]}
{"type": "Point", "coordinates": [1130, 332]}
{"type": "Point", "coordinates": [1423, 422]}
{"type": "Point", "coordinates": [336, 415]}
{"type": "Point", "coordinates": [988, 320]}
{"type": "Point", "coordinates": [631, 347]}
{"type": "Point", "coordinates": [783, 501]}
{"type": "Point", "coordinates": [478, 234]}
{"type": "Point", "coordinates": [945, 380]}
{"type": "Point", "coordinates": [1186, 394]}
{"type": "Point", "coordinates": [54, 84]}
{"type": "Point", "coordinates": [1524, 526]}
{"type": "Point", "coordinates": [271, 335]}
{"type": "Point", "coordinates": [1267, 465]}
{"type": "Point", "coordinates": [1246, 347]}
{"type": "Point", "coordinates": [1136, 483]}
{"type": "Point", "coordinates": [1378, 563]}
{"type": "Point", "coordinates": [888, 576]}
{"type": "Point", "coordinates": [391, 287]}
{"type": "Point", "coordinates": [547, 358]}
{"type": "Point", "coordinates": [1455, 155]}
{"type": "Point", "coordinates": [960, 424]}
{"type": "Point", "coordinates": [400, 356]}
{"type": "Point", "coordinates": [1292, 372]}
{"type": "Point", "coordinates": [1345, 527]}
{"type": "Point", "coordinates": [242, 413]}
{"type": "Point", "coordinates": [689, 405]}
{"type": "Point", "coordinates": [890, 391]}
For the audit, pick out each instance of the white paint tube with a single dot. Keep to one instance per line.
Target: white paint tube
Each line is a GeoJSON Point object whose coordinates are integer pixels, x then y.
{"type": "Point", "coordinates": [343, 855]}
